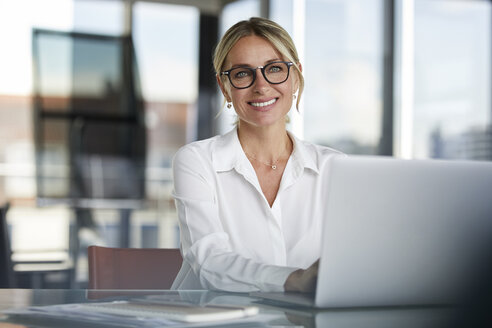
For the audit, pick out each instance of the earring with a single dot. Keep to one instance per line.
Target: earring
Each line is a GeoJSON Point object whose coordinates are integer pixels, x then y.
{"type": "Point", "coordinates": [294, 96]}
{"type": "Point", "coordinates": [229, 105]}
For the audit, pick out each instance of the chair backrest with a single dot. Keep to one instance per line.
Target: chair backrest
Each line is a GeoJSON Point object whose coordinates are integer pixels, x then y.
{"type": "Point", "coordinates": [133, 268]}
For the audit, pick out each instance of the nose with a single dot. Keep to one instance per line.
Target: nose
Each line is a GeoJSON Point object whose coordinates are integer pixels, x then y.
{"type": "Point", "coordinates": [260, 81]}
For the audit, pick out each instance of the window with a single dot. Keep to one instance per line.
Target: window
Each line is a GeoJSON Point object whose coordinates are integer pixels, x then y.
{"type": "Point", "coordinates": [166, 43]}
{"type": "Point", "coordinates": [342, 63]}
{"type": "Point", "coordinates": [17, 18]}
{"type": "Point", "coordinates": [99, 16]}
{"type": "Point", "coordinates": [452, 105]}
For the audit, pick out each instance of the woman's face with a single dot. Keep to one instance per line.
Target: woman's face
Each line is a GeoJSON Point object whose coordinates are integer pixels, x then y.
{"type": "Point", "coordinates": [262, 104]}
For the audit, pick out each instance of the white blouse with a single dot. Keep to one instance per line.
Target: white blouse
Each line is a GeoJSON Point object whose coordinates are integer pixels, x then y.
{"type": "Point", "coordinates": [231, 239]}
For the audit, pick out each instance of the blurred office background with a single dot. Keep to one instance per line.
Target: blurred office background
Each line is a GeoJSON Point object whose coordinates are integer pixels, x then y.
{"type": "Point", "coordinates": [97, 95]}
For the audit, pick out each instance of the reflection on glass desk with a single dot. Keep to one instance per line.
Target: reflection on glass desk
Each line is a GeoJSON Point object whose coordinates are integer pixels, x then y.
{"type": "Point", "coordinates": [14, 301]}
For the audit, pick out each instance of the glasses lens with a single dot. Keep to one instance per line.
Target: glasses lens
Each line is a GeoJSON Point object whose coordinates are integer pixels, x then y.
{"type": "Point", "coordinates": [276, 72]}
{"type": "Point", "coordinates": [241, 77]}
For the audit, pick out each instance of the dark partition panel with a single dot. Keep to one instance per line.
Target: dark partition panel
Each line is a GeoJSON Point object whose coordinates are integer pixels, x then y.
{"type": "Point", "coordinates": [6, 270]}
{"type": "Point", "coordinates": [89, 120]}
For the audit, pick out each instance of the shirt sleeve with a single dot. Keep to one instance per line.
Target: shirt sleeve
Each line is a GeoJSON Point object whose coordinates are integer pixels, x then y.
{"type": "Point", "coordinates": [204, 243]}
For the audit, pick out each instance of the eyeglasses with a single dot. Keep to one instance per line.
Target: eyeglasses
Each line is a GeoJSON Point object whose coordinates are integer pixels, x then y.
{"type": "Point", "coordinates": [244, 77]}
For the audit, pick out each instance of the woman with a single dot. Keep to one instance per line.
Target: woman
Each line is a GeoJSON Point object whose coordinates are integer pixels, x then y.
{"type": "Point", "coordinates": [250, 202]}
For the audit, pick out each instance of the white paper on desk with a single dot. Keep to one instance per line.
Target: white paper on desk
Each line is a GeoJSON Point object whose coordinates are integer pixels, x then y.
{"type": "Point", "coordinates": [82, 313]}
{"type": "Point", "coordinates": [174, 311]}
{"type": "Point", "coordinates": [75, 312]}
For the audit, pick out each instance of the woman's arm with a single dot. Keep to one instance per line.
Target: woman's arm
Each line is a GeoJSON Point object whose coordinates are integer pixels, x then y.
{"type": "Point", "coordinates": [206, 246]}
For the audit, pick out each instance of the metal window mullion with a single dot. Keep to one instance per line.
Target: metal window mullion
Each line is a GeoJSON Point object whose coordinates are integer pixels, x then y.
{"type": "Point", "coordinates": [404, 114]}
{"type": "Point", "coordinates": [387, 129]}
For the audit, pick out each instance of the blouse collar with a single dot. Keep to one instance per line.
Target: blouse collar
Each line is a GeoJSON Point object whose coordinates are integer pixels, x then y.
{"type": "Point", "coordinates": [227, 154]}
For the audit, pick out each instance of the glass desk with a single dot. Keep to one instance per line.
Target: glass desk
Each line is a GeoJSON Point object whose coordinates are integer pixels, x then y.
{"type": "Point", "coordinates": [269, 315]}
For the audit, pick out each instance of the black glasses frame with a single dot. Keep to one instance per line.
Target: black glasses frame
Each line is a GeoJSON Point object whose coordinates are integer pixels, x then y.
{"type": "Point", "coordinates": [253, 69]}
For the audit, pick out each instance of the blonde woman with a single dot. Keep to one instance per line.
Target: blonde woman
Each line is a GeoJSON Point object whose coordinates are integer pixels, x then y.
{"type": "Point", "coordinates": [250, 202]}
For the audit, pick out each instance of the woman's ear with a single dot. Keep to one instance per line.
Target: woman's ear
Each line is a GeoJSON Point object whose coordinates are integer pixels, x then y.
{"type": "Point", "coordinates": [223, 88]}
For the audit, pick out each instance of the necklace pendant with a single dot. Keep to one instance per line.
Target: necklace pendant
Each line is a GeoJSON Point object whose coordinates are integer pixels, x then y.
{"type": "Point", "coordinates": [274, 167]}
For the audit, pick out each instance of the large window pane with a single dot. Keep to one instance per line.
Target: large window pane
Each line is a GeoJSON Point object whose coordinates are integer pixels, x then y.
{"type": "Point", "coordinates": [166, 43]}
{"type": "Point", "coordinates": [17, 19]}
{"type": "Point", "coordinates": [343, 71]}
{"type": "Point", "coordinates": [452, 79]}
{"type": "Point", "coordinates": [281, 11]}
{"type": "Point", "coordinates": [99, 16]}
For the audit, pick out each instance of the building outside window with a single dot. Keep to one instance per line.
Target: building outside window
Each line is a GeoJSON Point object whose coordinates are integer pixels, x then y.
{"type": "Point", "coordinates": [453, 109]}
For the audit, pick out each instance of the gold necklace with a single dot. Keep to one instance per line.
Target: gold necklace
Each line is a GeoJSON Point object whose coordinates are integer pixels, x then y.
{"type": "Point", "coordinates": [272, 165]}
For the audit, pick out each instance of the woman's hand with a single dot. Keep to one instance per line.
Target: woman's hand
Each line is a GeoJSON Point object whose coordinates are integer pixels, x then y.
{"type": "Point", "coordinates": [303, 280]}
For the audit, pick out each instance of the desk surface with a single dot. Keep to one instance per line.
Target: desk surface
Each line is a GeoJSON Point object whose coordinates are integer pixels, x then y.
{"type": "Point", "coordinates": [269, 316]}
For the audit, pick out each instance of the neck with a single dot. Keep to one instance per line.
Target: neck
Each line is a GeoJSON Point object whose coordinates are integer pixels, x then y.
{"type": "Point", "coordinates": [265, 144]}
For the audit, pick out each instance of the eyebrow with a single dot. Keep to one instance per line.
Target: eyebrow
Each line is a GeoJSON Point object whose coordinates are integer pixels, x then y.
{"type": "Point", "coordinates": [266, 63]}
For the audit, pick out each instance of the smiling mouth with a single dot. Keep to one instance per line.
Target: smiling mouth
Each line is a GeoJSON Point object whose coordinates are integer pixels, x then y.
{"type": "Point", "coordinates": [263, 104]}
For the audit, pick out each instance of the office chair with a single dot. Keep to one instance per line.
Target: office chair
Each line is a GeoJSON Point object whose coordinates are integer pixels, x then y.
{"type": "Point", "coordinates": [133, 268]}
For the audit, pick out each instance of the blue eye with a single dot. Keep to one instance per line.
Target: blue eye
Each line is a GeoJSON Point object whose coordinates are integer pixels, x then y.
{"type": "Point", "coordinates": [275, 69]}
{"type": "Point", "coordinates": [241, 73]}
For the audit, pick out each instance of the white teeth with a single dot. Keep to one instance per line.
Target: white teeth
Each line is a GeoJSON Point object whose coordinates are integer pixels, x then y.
{"type": "Point", "coordinates": [262, 104]}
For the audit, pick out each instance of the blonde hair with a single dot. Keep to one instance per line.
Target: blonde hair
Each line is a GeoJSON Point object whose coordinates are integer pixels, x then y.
{"type": "Point", "coordinates": [266, 29]}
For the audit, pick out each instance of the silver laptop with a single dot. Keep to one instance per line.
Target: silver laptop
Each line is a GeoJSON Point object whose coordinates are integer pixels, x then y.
{"type": "Point", "coordinates": [401, 232]}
